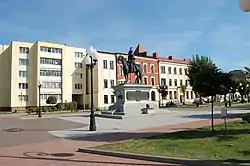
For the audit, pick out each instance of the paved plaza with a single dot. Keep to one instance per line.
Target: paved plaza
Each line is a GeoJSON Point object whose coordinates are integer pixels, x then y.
{"type": "Point", "coordinates": [54, 139]}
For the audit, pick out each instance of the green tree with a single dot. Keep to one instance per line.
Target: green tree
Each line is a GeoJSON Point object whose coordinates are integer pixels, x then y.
{"type": "Point", "coordinates": [183, 89]}
{"type": "Point", "coordinates": [205, 78]}
{"type": "Point", "coordinates": [225, 81]}
{"type": "Point", "coordinates": [51, 100]}
{"type": "Point", "coordinates": [247, 69]}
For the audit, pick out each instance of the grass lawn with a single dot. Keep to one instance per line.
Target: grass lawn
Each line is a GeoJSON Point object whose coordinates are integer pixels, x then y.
{"type": "Point", "coordinates": [195, 144]}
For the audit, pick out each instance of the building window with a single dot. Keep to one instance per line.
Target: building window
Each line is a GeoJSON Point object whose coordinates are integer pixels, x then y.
{"type": "Point", "coordinates": [187, 94]}
{"type": "Point", "coordinates": [186, 71]}
{"type": "Point", "coordinates": [78, 75]}
{"type": "Point", "coordinates": [186, 82]}
{"type": "Point", "coordinates": [112, 83]}
{"type": "Point", "coordinates": [181, 82]}
{"type": "Point", "coordinates": [175, 70]}
{"type": "Point", "coordinates": [175, 82]}
{"type": "Point", "coordinates": [51, 50]}
{"type": "Point", "coordinates": [23, 98]}
{"type": "Point", "coordinates": [163, 81]}
{"type": "Point", "coordinates": [78, 55]}
{"type": "Point", "coordinates": [180, 71]}
{"type": "Point", "coordinates": [105, 64]}
{"type": "Point", "coordinates": [78, 65]}
{"type": "Point", "coordinates": [112, 98]}
{"type": "Point", "coordinates": [106, 99]}
{"type": "Point", "coordinates": [169, 70]}
{"type": "Point", "coordinates": [55, 73]}
{"type": "Point", "coordinates": [152, 68]}
{"type": "Point", "coordinates": [105, 83]}
{"type": "Point", "coordinates": [24, 50]}
{"type": "Point", "coordinates": [170, 95]}
{"type": "Point", "coordinates": [145, 80]}
{"type": "Point", "coordinates": [78, 86]}
{"type": "Point", "coordinates": [23, 61]}
{"type": "Point", "coordinates": [52, 85]}
{"type": "Point", "coordinates": [192, 94]}
{"type": "Point", "coordinates": [163, 70]}
{"type": "Point", "coordinates": [50, 61]}
{"type": "Point", "coordinates": [111, 65]}
{"type": "Point", "coordinates": [170, 82]}
{"type": "Point", "coordinates": [23, 85]}
{"type": "Point", "coordinates": [45, 96]}
{"type": "Point", "coordinates": [175, 95]}
{"type": "Point", "coordinates": [152, 81]}
{"type": "Point", "coordinates": [145, 68]}
{"type": "Point", "coordinates": [23, 73]}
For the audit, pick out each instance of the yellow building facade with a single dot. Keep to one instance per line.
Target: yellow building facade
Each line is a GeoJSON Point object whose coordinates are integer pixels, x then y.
{"type": "Point", "coordinates": [60, 70]}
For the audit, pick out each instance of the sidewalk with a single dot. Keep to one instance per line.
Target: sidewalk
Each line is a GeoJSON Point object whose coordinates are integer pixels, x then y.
{"type": "Point", "coordinates": [63, 152]}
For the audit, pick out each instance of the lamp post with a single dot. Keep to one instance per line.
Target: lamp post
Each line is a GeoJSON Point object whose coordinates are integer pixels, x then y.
{"type": "Point", "coordinates": [90, 61]}
{"type": "Point", "coordinates": [244, 5]}
{"type": "Point", "coordinates": [39, 85]}
{"type": "Point", "coordinates": [247, 92]}
{"type": "Point", "coordinates": [229, 98]}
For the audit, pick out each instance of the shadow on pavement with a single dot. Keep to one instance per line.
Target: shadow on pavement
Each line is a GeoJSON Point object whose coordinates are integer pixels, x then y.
{"type": "Point", "coordinates": [220, 135]}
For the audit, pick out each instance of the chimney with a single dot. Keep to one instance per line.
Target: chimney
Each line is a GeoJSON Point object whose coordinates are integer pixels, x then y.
{"type": "Point", "coordinates": [155, 55]}
{"type": "Point", "coordinates": [170, 57]}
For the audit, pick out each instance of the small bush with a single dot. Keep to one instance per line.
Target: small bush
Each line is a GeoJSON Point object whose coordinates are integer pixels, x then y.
{"type": "Point", "coordinates": [46, 109]}
{"type": "Point", "coordinates": [67, 106]}
{"type": "Point", "coordinates": [60, 106]}
{"type": "Point", "coordinates": [32, 110]}
{"type": "Point", "coordinates": [246, 118]}
{"type": "Point", "coordinates": [51, 100]}
{"type": "Point", "coordinates": [171, 104]}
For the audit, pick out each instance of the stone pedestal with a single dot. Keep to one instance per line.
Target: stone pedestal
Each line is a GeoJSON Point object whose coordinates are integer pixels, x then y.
{"type": "Point", "coordinates": [131, 99]}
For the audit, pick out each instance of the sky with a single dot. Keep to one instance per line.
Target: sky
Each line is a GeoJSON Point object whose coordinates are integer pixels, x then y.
{"type": "Point", "coordinates": [181, 28]}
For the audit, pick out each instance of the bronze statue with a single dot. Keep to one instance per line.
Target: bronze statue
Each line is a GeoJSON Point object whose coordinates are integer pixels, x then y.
{"type": "Point", "coordinates": [131, 67]}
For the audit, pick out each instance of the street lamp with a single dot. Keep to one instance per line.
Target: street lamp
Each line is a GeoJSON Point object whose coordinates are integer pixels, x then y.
{"type": "Point", "coordinates": [39, 85]}
{"type": "Point", "coordinates": [244, 5]}
{"type": "Point", "coordinates": [230, 95]}
{"type": "Point", "coordinates": [247, 92]}
{"type": "Point", "coordinates": [90, 61]}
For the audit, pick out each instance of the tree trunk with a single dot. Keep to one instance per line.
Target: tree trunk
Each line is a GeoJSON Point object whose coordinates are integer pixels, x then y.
{"type": "Point", "coordinates": [212, 113]}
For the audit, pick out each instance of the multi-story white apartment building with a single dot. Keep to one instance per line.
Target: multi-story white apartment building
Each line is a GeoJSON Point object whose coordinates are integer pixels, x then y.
{"type": "Point", "coordinates": [173, 74]}
{"type": "Point", "coordinates": [59, 68]}
{"type": "Point", "coordinates": [104, 79]}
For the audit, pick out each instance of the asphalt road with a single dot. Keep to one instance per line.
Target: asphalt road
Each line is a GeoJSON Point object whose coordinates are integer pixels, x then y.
{"type": "Point", "coordinates": [15, 131]}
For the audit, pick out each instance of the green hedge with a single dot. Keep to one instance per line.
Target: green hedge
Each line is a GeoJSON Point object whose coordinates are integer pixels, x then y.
{"type": "Point", "coordinates": [71, 106]}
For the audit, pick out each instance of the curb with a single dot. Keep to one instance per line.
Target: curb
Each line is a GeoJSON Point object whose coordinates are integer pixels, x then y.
{"type": "Point", "coordinates": [152, 158]}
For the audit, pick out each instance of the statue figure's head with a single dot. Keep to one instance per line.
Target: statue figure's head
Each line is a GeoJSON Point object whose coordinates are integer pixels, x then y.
{"type": "Point", "coordinates": [120, 58]}
{"type": "Point", "coordinates": [131, 48]}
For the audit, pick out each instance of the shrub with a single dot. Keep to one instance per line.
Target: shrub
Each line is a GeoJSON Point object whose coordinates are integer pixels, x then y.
{"type": "Point", "coordinates": [246, 118]}
{"type": "Point", "coordinates": [46, 109]}
{"type": "Point", "coordinates": [71, 106]}
{"type": "Point", "coordinates": [32, 110]}
{"type": "Point", "coordinates": [51, 100]}
{"type": "Point", "coordinates": [171, 104]}
{"type": "Point", "coordinates": [60, 106]}
{"type": "Point", "coordinates": [67, 106]}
